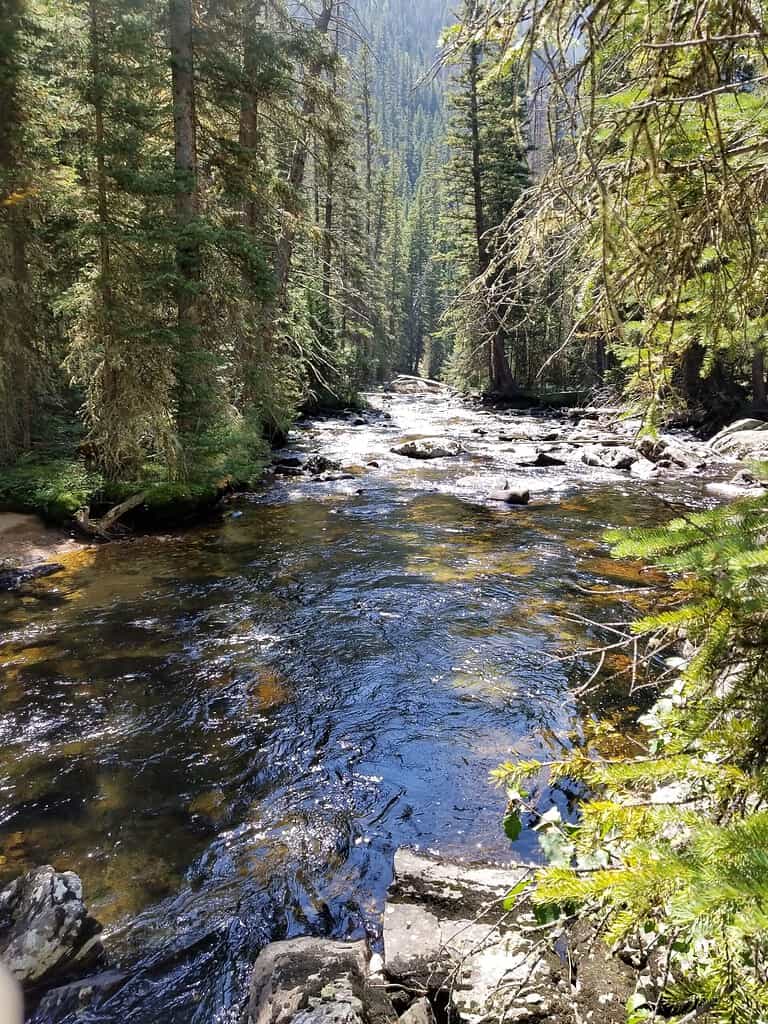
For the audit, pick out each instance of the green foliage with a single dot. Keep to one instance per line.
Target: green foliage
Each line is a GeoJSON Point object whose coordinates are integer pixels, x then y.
{"type": "Point", "coordinates": [648, 210]}
{"type": "Point", "coordinates": [670, 846]}
{"type": "Point", "coordinates": [56, 490]}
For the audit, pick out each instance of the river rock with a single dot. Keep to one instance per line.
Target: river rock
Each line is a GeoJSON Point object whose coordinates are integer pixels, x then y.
{"type": "Point", "coordinates": [517, 495]}
{"type": "Point", "coordinates": [445, 930]}
{"type": "Point", "coordinates": [644, 469]}
{"type": "Point", "coordinates": [420, 1012]}
{"type": "Point", "coordinates": [12, 579]}
{"type": "Point", "coordinates": [427, 449]}
{"type": "Point", "coordinates": [46, 933]}
{"type": "Point", "coordinates": [620, 457]}
{"type": "Point", "coordinates": [745, 439]}
{"type": "Point", "coordinates": [535, 456]}
{"type": "Point", "coordinates": [743, 485]}
{"type": "Point", "coordinates": [309, 980]}
{"type": "Point", "coordinates": [316, 465]}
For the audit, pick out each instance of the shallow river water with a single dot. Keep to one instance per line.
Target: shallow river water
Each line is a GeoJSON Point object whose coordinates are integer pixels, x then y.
{"type": "Point", "coordinates": [227, 732]}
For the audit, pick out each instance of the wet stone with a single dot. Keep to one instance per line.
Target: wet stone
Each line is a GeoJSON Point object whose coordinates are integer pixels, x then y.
{"type": "Point", "coordinates": [426, 450]}
{"type": "Point", "coordinates": [46, 932]}
{"type": "Point", "coordinates": [309, 979]}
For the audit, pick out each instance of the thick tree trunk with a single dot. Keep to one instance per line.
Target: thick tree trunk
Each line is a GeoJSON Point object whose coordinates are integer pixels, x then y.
{"type": "Point", "coordinates": [185, 156]}
{"type": "Point", "coordinates": [327, 259]}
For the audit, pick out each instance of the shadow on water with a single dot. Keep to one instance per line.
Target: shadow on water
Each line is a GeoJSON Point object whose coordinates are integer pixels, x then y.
{"type": "Point", "coordinates": [227, 734]}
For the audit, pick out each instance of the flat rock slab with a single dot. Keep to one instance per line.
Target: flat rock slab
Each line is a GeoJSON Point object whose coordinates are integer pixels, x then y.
{"type": "Point", "coordinates": [445, 929]}
{"type": "Point", "coordinates": [26, 540]}
{"type": "Point", "coordinates": [446, 933]}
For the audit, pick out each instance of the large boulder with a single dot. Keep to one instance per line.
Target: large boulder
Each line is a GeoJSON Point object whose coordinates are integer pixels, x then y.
{"type": "Point", "coordinates": [315, 981]}
{"type": "Point", "coordinates": [46, 932]}
{"type": "Point", "coordinates": [745, 439]}
{"type": "Point", "coordinates": [429, 449]}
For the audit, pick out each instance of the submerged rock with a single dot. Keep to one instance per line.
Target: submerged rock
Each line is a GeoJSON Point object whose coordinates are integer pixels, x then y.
{"type": "Point", "coordinates": [426, 449]}
{"type": "Point", "coordinates": [46, 932]}
{"type": "Point", "coordinates": [12, 579]}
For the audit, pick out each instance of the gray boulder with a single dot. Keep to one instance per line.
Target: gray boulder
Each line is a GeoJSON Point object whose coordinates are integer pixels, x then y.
{"type": "Point", "coordinates": [745, 439]}
{"type": "Point", "coordinates": [426, 449]}
{"type": "Point", "coordinates": [311, 981]}
{"type": "Point", "coordinates": [46, 933]}
{"type": "Point", "coordinates": [517, 495]}
{"type": "Point", "coordinates": [445, 930]}
{"type": "Point", "coordinates": [620, 457]}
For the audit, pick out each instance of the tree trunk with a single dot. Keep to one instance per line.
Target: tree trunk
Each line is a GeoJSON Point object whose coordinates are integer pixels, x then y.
{"type": "Point", "coordinates": [185, 155]}
{"type": "Point", "coordinates": [110, 383]}
{"type": "Point", "coordinates": [368, 126]}
{"type": "Point", "coordinates": [298, 165]}
{"type": "Point", "coordinates": [249, 108]}
{"type": "Point", "coordinates": [499, 373]}
{"type": "Point", "coordinates": [327, 260]}
{"type": "Point", "coordinates": [758, 377]}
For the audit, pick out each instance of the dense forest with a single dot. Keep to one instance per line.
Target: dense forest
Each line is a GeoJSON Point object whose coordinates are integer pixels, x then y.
{"type": "Point", "coordinates": [218, 216]}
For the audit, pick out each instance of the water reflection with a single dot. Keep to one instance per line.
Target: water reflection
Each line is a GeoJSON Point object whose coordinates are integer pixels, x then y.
{"type": "Point", "coordinates": [227, 733]}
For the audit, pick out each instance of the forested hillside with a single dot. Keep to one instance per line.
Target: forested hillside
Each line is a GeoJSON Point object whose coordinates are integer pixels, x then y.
{"type": "Point", "coordinates": [210, 215]}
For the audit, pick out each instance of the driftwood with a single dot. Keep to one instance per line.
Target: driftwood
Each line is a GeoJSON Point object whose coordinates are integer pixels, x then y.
{"type": "Point", "coordinates": [101, 527]}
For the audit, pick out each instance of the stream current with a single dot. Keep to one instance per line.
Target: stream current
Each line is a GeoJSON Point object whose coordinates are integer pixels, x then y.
{"type": "Point", "coordinates": [227, 732]}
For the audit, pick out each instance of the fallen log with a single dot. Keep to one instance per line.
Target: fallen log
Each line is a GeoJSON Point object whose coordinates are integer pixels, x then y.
{"type": "Point", "coordinates": [100, 528]}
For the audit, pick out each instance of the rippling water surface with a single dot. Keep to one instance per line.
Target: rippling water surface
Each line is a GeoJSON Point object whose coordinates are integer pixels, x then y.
{"type": "Point", "coordinates": [227, 733]}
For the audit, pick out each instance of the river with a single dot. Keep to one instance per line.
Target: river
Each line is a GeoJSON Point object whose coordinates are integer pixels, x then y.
{"type": "Point", "coordinates": [228, 731]}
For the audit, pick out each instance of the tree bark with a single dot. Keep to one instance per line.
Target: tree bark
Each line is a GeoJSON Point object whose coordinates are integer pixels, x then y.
{"type": "Point", "coordinates": [499, 373]}
{"type": "Point", "coordinates": [185, 157]}
{"type": "Point", "coordinates": [249, 108]}
{"type": "Point", "coordinates": [758, 377]}
{"type": "Point", "coordinates": [299, 164]}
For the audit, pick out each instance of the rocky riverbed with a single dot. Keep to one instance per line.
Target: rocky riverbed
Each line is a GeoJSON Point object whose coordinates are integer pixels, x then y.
{"type": "Point", "coordinates": [228, 733]}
